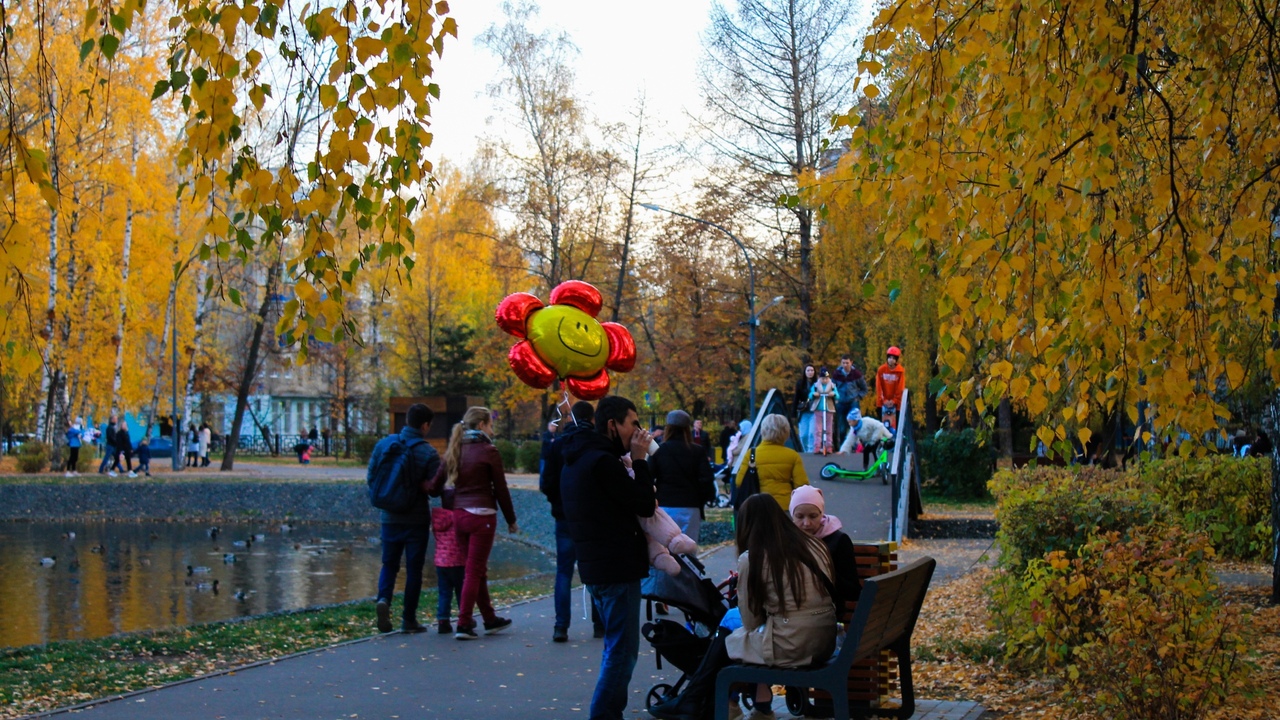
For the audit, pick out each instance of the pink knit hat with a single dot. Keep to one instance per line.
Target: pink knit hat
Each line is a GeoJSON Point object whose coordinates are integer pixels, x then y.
{"type": "Point", "coordinates": [807, 495]}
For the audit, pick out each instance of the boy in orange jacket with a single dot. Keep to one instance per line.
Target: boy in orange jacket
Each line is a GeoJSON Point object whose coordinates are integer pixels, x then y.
{"type": "Point", "coordinates": [891, 378]}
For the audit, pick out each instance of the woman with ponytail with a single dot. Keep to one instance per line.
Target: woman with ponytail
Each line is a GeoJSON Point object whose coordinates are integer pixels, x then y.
{"type": "Point", "coordinates": [472, 470]}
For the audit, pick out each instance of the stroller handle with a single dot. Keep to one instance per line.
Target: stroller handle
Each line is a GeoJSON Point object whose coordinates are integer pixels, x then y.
{"type": "Point", "coordinates": [696, 563]}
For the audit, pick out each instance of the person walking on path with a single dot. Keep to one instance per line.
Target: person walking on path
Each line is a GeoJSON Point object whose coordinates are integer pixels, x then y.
{"type": "Point", "coordinates": [804, 414]}
{"type": "Point", "coordinates": [473, 469]}
{"type": "Point", "coordinates": [891, 378]}
{"type": "Point", "coordinates": [682, 475]}
{"type": "Point", "coordinates": [825, 397]}
{"type": "Point", "coordinates": [852, 387]}
{"type": "Point", "coordinates": [144, 456]}
{"type": "Point", "coordinates": [124, 449]}
{"type": "Point", "coordinates": [566, 554]}
{"type": "Point", "coordinates": [206, 437]}
{"type": "Point", "coordinates": [73, 447]}
{"type": "Point", "coordinates": [601, 504]}
{"type": "Point", "coordinates": [781, 469]}
{"type": "Point", "coordinates": [109, 461]}
{"type": "Point", "coordinates": [406, 533]}
{"type": "Point", "coordinates": [193, 445]}
{"type": "Point", "coordinates": [450, 563]}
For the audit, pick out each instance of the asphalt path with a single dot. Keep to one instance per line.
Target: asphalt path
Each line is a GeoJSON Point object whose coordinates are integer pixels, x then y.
{"type": "Point", "coordinates": [519, 673]}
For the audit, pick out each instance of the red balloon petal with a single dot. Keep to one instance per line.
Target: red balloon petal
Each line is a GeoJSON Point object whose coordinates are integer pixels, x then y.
{"type": "Point", "coordinates": [514, 311]}
{"type": "Point", "coordinates": [581, 295]}
{"type": "Point", "coordinates": [622, 347]}
{"type": "Point", "coordinates": [592, 388]}
{"type": "Point", "coordinates": [529, 367]}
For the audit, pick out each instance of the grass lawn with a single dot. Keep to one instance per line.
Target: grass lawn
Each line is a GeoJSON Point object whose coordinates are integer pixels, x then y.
{"type": "Point", "coordinates": [43, 677]}
{"type": "Point", "coordinates": [290, 459]}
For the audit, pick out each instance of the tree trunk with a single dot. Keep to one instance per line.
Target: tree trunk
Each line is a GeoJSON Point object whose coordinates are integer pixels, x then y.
{"type": "Point", "coordinates": [117, 377]}
{"type": "Point", "coordinates": [250, 368]}
{"type": "Point", "coordinates": [164, 344]}
{"type": "Point", "coordinates": [1271, 424]}
{"type": "Point", "coordinates": [1005, 416]}
{"type": "Point", "coordinates": [197, 338]}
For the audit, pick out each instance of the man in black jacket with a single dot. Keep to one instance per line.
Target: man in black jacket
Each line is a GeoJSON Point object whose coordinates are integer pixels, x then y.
{"type": "Point", "coordinates": [549, 483]}
{"type": "Point", "coordinates": [601, 502]}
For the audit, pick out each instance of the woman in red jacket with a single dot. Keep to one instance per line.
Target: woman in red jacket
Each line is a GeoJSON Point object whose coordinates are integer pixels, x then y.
{"type": "Point", "coordinates": [473, 469]}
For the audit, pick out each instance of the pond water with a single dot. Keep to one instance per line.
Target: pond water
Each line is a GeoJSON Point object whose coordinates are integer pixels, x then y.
{"type": "Point", "coordinates": [121, 577]}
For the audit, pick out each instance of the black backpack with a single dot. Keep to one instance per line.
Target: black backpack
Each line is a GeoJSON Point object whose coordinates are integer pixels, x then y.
{"type": "Point", "coordinates": [749, 486]}
{"type": "Point", "coordinates": [393, 481]}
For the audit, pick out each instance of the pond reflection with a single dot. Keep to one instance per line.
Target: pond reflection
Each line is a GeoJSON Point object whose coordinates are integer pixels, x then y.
{"type": "Point", "coordinates": [71, 580]}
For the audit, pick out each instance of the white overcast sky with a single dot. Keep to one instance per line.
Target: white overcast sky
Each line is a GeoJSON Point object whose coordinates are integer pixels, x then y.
{"type": "Point", "coordinates": [625, 47]}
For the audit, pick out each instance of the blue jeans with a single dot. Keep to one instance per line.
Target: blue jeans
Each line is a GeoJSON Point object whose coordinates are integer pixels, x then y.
{"type": "Point", "coordinates": [619, 605]}
{"type": "Point", "coordinates": [411, 541]}
{"type": "Point", "coordinates": [108, 457]}
{"type": "Point", "coordinates": [449, 584]}
{"type": "Point", "coordinates": [566, 558]}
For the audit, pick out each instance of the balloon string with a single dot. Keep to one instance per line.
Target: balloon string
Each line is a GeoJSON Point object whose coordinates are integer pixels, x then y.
{"type": "Point", "coordinates": [564, 400]}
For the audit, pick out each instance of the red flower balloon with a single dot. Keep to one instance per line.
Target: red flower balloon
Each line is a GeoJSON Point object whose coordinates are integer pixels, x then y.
{"type": "Point", "coordinates": [564, 340]}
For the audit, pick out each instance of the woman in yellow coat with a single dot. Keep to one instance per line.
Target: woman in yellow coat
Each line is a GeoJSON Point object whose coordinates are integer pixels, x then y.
{"type": "Point", "coordinates": [781, 469]}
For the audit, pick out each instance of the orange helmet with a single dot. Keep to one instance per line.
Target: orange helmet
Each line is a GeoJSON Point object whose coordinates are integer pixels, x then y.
{"type": "Point", "coordinates": [894, 351]}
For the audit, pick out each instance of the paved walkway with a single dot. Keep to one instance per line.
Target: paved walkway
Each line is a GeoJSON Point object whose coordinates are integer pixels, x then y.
{"type": "Point", "coordinates": [517, 674]}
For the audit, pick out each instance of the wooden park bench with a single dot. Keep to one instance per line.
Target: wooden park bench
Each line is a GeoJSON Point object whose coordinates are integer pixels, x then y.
{"type": "Point", "coordinates": [886, 616]}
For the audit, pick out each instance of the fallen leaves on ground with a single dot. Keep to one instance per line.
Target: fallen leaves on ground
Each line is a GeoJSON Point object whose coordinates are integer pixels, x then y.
{"type": "Point", "coordinates": [956, 656]}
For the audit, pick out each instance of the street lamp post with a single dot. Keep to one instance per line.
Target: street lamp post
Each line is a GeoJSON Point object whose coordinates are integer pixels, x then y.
{"type": "Point", "coordinates": [753, 319]}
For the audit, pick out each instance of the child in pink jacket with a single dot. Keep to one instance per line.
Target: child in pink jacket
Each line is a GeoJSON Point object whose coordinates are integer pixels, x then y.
{"type": "Point", "coordinates": [450, 563]}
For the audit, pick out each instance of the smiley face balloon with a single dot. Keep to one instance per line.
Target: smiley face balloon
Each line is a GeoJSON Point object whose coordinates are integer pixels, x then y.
{"type": "Point", "coordinates": [565, 341]}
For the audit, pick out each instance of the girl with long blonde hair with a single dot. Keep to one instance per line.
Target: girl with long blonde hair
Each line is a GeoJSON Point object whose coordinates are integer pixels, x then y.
{"type": "Point", "coordinates": [472, 471]}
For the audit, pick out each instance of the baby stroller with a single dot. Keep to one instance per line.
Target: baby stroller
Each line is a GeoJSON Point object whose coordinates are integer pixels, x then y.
{"type": "Point", "coordinates": [683, 644]}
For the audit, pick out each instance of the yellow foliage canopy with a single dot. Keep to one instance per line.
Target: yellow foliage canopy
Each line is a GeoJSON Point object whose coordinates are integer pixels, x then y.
{"type": "Point", "coordinates": [1093, 186]}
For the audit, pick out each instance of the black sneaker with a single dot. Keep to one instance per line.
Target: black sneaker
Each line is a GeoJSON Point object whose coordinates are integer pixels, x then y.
{"type": "Point", "coordinates": [384, 616]}
{"type": "Point", "coordinates": [465, 633]}
{"type": "Point", "coordinates": [497, 626]}
{"type": "Point", "coordinates": [560, 635]}
{"type": "Point", "coordinates": [412, 628]}
{"type": "Point", "coordinates": [444, 627]}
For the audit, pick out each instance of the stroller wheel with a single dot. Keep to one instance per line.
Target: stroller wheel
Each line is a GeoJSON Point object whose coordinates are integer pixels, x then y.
{"type": "Point", "coordinates": [722, 500]}
{"type": "Point", "coordinates": [658, 693]}
{"type": "Point", "coordinates": [798, 701]}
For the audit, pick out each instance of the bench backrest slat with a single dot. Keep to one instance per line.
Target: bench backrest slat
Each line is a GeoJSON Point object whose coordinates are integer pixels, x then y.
{"type": "Point", "coordinates": [887, 610]}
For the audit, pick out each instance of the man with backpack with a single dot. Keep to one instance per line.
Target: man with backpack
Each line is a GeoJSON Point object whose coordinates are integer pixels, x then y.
{"type": "Point", "coordinates": [398, 468]}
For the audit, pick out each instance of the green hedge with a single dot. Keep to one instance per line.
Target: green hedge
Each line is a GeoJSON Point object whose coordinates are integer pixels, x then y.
{"type": "Point", "coordinates": [506, 451]}
{"type": "Point", "coordinates": [1049, 509]}
{"type": "Point", "coordinates": [1228, 498]}
{"type": "Point", "coordinates": [528, 455]}
{"type": "Point", "coordinates": [957, 464]}
{"type": "Point", "coordinates": [33, 456]}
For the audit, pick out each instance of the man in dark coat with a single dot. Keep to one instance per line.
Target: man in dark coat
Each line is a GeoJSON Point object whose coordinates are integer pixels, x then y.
{"type": "Point", "coordinates": [406, 533]}
{"type": "Point", "coordinates": [601, 502]}
{"type": "Point", "coordinates": [581, 419]}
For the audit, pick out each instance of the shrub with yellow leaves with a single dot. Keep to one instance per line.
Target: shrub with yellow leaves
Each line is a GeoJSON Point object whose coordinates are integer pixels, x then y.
{"type": "Point", "coordinates": [1133, 622]}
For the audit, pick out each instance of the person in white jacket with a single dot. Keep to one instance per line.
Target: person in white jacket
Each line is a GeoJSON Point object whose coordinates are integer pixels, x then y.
{"type": "Point", "coordinates": [868, 432]}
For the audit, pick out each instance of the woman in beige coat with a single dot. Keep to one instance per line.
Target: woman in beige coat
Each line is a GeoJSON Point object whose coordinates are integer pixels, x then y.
{"type": "Point", "coordinates": [788, 618]}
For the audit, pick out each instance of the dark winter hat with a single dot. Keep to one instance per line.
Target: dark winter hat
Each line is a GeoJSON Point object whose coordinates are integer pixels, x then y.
{"type": "Point", "coordinates": [678, 418]}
